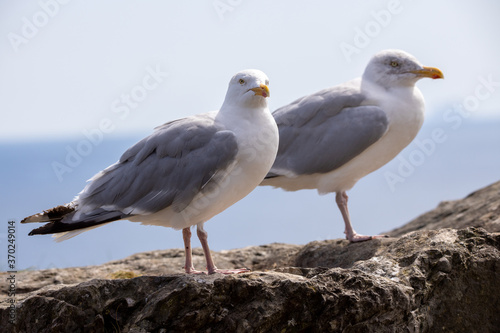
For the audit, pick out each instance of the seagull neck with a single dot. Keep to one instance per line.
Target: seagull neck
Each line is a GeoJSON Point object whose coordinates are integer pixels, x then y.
{"type": "Point", "coordinates": [233, 114]}
{"type": "Point", "coordinates": [252, 102]}
{"type": "Point", "coordinates": [368, 85]}
{"type": "Point", "coordinates": [244, 119]}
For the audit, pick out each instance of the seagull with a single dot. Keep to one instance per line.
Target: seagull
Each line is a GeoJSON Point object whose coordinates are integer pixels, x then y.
{"type": "Point", "coordinates": [331, 139]}
{"type": "Point", "coordinates": [187, 171]}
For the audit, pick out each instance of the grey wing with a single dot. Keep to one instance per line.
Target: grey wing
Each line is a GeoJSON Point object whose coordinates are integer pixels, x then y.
{"type": "Point", "coordinates": [321, 132]}
{"type": "Point", "coordinates": [168, 168]}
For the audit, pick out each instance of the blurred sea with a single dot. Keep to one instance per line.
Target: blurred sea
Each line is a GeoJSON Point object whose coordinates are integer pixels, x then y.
{"type": "Point", "coordinates": [466, 158]}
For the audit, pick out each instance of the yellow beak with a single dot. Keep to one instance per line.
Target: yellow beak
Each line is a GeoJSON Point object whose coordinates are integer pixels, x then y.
{"type": "Point", "coordinates": [263, 90]}
{"type": "Point", "coordinates": [432, 72]}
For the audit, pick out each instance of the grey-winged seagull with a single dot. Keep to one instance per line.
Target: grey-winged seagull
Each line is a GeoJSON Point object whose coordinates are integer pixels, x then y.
{"type": "Point", "coordinates": [331, 139]}
{"type": "Point", "coordinates": [183, 174]}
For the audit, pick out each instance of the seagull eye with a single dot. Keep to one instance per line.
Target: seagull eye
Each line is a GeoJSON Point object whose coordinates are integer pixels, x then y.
{"type": "Point", "coordinates": [241, 81]}
{"type": "Point", "coordinates": [394, 64]}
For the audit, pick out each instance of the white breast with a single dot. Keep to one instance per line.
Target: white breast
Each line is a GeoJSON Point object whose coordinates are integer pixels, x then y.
{"type": "Point", "coordinates": [257, 148]}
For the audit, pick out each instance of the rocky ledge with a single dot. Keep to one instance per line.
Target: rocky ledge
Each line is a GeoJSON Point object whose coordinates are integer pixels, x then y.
{"type": "Point", "coordinates": [441, 280]}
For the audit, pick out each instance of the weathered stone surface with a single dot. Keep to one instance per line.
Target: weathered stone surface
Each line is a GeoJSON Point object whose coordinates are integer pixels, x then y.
{"type": "Point", "coordinates": [339, 253]}
{"type": "Point", "coordinates": [152, 263]}
{"type": "Point", "coordinates": [479, 209]}
{"type": "Point", "coordinates": [445, 280]}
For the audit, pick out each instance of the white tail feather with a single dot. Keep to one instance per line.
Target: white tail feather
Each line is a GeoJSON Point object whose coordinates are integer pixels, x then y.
{"type": "Point", "coordinates": [41, 217]}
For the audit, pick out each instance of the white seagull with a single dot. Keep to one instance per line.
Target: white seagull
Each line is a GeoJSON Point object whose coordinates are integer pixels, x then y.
{"type": "Point", "coordinates": [331, 139]}
{"type": "Point", "coordinates": [183, 174]}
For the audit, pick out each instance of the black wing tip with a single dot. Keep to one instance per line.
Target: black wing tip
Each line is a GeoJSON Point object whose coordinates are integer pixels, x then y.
{"type": "Point", "coordinates": [58, 226]}
{"type": "Point", "coordinates": [48, 228]}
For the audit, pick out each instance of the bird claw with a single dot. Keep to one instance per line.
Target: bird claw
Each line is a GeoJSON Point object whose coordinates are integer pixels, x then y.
{"type": "Point", "coordinates": [216, 270]}
{"type": "Point", "coordinates": [362, 238]}
{"type": "Point", "coordinates": [193, 271]}
{"type": "Point", "coordinates": [230, 271]}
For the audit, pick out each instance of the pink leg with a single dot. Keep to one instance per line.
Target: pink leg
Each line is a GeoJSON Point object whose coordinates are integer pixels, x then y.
{"type": "Point", "coordinates": [203, 236]}
{"type": "Point", "coordinates": [189, 268]}
{"type": "Point", "coordinates": [350, 233]}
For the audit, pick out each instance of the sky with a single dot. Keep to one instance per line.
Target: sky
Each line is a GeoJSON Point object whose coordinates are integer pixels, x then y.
{"type": "Point", "coordinates": [79, 76]}
{"type": "Point", "coordinates": [63, 74]}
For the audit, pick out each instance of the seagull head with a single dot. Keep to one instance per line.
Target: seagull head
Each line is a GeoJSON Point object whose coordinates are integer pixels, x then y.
{"type": "Point", "coordinates": [394, 68]}
{"type": "Point", "coordinates": [249, 88]}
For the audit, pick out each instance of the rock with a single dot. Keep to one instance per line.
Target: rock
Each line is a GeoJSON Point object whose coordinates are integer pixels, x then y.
{"type": "Point", "coordinates": [153, 263]}
{"type": "Point", "coordinates": [444, 280]}
{"type": "Point", "coordinates": [479, 209]}
{"type": "Point", "coordinates": [339, 253]}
